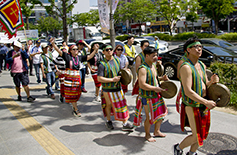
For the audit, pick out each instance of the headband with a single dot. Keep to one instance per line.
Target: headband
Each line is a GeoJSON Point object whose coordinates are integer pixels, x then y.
{"type": "Point", "coordinates": [195, 43]}
{"type": "Point", "coordinates": [108, 46]}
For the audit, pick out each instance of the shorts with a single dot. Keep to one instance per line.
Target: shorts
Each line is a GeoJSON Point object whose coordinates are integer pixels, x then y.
{"type": "Point", "coordinates": [21, 78]}
{"type": "Point", "coordinates": [144, 101]}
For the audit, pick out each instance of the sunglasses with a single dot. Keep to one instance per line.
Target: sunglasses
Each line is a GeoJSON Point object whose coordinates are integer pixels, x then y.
{"type": "Point", "coordinates": [119, 49]}
{"type": "Point", "coordinates": [197, 46]}
{"type": "Point", "coordinates": [75, 49]}
{"type": "Point", "coordinates": [108, 49]}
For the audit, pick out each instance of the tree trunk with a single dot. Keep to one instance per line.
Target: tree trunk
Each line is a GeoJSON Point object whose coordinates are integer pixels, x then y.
{"type": "Point", "coordinates": [170, 30]}
{"type": "Point", "coordinates": [216, 26]}
{"type": "Point", "coordinates": [64, 20]}
{"type": "Point", "coordinates": [27, 23]}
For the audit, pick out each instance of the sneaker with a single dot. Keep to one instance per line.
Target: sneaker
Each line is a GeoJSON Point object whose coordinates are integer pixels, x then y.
{"type": "Point", "coordinates": [52, 96]}
{"type": "Point", "coordinates": [84, 90]}
{"type": "Point", "coordinates": [76, 113]}
{"type": "Point", "coordinates": [61, 99]}
{"type": "Point", "coordinates": [127, 127]}
{"type": "Point", "coordinates": [176, 151]}
{"type": "Point", "coordinates": [19, 98]}
{"type": "Point", "coordinates": [30, 99]}
{"type": "Point", "coordinates": [109, 125]}
{"type": "Point", "coordinates": [97, 98]}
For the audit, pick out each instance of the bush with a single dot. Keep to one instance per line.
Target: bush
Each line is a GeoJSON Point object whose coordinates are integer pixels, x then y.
{"type": "Point", "coordinates": [161, 36]}
{"type": "Point", "coordinates": [228, 37]}
{"type": "Point", "coordinates": [186, 35]}
{"type": "Point", "coordinates": [227, 75]}
{"type": "Point", "coordinates": [122, 37]}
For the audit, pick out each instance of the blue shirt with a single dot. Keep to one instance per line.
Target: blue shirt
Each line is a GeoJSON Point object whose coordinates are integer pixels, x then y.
{"type": "Point", "coordinates": [3, 50]}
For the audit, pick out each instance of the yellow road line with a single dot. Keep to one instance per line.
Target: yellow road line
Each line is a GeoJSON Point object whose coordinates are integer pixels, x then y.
{"type": "Point", "coordinates": [51, 144]}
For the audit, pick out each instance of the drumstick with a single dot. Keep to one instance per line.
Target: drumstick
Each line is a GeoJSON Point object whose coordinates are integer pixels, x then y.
{"type": "Point", "coordinates": [217, 100]}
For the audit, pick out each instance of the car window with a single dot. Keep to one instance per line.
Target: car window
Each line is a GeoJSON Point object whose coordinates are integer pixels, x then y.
{"type": "Point", "coordinates": [220, 51]}
{"type": "Point", "coordinates": [205, 54]}
{"type": "Point", "coordinates": [179, 51]}
{"type": "Point", "coordinates": [225, 44]}
{"type": "Point", "coordinates": [207, 42]}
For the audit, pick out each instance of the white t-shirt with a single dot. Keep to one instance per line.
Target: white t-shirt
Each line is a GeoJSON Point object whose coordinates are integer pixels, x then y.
{"type": "Point", "coordinates": [36, 58]}
{"type": "Point", "coordinates": [49, 61]}
{"type": "Point", "coordinates": [79, 53]}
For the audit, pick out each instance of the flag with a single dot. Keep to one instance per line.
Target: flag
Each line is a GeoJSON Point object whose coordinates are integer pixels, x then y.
{"type": "Point", "coordinates": [103, 9]}
{"type": "Point", "coordinates": [10, 17]}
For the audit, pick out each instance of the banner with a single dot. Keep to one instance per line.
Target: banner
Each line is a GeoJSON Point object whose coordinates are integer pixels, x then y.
{"type": "Point", "coordinates": [103, 9]}
{"type": "Point", "coordinates": [115, 3]}
{"type": "Point", "coordinates": [10, 17]}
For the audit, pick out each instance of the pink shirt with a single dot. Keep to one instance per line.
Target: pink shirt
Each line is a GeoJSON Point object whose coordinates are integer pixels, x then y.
{"type": "Point", "coordinates": [17, 65]}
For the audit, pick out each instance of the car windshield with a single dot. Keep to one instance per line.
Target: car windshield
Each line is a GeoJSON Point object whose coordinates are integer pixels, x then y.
{"type": "Point", "coordinates": [220, 51]}
{"type": "Point", "coordinates": [225, 44]}
{"type": "Point", "coordinates": [96, 34]}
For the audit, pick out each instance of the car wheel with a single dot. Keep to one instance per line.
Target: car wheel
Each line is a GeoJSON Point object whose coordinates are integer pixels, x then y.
{"type": "Point", "coordinates": [170, 71]}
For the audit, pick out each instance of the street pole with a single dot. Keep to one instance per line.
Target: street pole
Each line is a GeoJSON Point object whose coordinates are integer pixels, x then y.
{"type": "Point", "coordinates": [111, 25]}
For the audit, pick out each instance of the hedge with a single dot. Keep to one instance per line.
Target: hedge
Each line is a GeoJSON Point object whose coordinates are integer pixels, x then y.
{"type": "Point", "coordinates": [228, 76]}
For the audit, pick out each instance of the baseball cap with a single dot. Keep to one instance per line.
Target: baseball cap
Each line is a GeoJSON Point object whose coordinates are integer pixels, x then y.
{"type": "Point", "coordinates": [38, 41]}
{"type": "Point", "coordinates": [156, 37]}
{"type": "Point", "coordinates": [80, 42]}
{"type": "Point", "coordinates": [43, 45]}
{"type": "Point", "coordinates": [17, 43]}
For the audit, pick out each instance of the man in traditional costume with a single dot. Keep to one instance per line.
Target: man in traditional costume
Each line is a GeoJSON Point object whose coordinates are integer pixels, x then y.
{"type": "Point", "coordinates": [149, 96]}
{"type": "Point", "coordinates": [195, 108]}
{"type": "Point", "coordinates": [113, 99]}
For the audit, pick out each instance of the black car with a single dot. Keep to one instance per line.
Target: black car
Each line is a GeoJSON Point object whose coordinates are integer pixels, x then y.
{"type": "Point", "coordinates": [210, 53]}
{"type": "Point", "coordinates": [219, 42]}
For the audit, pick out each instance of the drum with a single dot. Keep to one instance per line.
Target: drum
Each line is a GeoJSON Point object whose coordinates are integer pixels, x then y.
{"type": "Point", "coordinates": [160, 69]}
{"type": "Point", "coordinates": [171, 89]}
{"type": "Point", "coordinates": [209, 74]}
{"type": "Point", "coordinates": [219, 93]}
{"type": "Point", "coordinates": [126, 76]}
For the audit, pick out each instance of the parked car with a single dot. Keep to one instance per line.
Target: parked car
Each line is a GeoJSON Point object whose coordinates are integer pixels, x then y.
{"type": "Point", "coordinates": [208, 32]}
{"type": "Point", "coordinates": [219, 42]}
{"type": "Point", "coordinates": [137, 45]}
{"type": "Point", "coordinates": [153, 39]}
{"type": "Point", "coordinates": [171, 58]}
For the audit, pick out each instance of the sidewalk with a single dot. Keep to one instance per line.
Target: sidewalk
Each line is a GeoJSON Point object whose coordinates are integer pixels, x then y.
{"type": "Point", "coordinates": [48, 127]}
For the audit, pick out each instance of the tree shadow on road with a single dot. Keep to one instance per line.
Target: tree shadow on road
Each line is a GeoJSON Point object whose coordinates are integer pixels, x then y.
{"type": "Point", "coordinates": [133, 144]}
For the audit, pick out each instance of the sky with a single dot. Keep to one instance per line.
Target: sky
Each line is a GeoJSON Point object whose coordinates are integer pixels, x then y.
{"type": "Point", "coordinates": [93, 2]}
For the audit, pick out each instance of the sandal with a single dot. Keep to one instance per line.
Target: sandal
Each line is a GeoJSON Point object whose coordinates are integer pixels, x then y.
{"type": "Point", "coordinates": [76, 113]}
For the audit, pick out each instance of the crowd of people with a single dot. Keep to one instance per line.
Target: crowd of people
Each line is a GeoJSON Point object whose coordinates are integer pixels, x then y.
{"type": "Point", "coordinates": [66, 68]}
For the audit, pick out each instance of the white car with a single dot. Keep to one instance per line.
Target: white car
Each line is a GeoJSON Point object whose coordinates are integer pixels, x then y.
{"type": "Point", "coordinates": [137, 45]}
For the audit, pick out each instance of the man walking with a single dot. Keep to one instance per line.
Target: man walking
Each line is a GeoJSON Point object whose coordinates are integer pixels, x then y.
{"type": "Point", "coordinates": [3, 53]}
{"type": "Point", "coordinates": [17, 60]}
{"type": "Point", "coordinates": [35, 54]}
{"type": "Point", "coordinates": [46, 61]}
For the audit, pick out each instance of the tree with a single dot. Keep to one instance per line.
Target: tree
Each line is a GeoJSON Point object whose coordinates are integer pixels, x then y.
{"type": "Point", "coordinates": [90, 18]}
{"type": "Point", "coordinates": [27, 9]}
{"type": "Point", "coordinates": [217, 9]}
{"type": "Point", "coordinates": [191, 14]}
{"type": "Point", "coordinates": [136, 10]}
{"type": "Point", "coordinates": [171, 11]}
{"type": "Point", "coordinates": [61, 12]}
{"type": "Point", "coordinates": [49, 24]}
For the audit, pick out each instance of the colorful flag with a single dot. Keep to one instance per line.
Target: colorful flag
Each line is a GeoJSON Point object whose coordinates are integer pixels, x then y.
{"type": "Point", "coordinates": [10, 17]}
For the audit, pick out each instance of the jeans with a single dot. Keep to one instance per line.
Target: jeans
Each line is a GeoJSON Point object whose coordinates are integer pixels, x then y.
{"type": "Point", "coordinates": [50, 80]}
{"type": "Point", "coordinates": [3, 57]}
{"type": "Point", "coordinates": [83, 74]}
{"type": "Point", "coordinates": [56, 83]}
{"type": "Point", "coordinates": [37, 70]}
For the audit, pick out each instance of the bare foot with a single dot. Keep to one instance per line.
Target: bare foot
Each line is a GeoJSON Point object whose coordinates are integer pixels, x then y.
{"type": "Point", "coordinates": [159, 134]}
{"type": "Point", "coordinates": [150, 139]}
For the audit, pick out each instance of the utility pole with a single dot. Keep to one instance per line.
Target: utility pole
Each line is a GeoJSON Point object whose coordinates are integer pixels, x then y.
{"type": "Point", "coordinates": [111, 25]}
